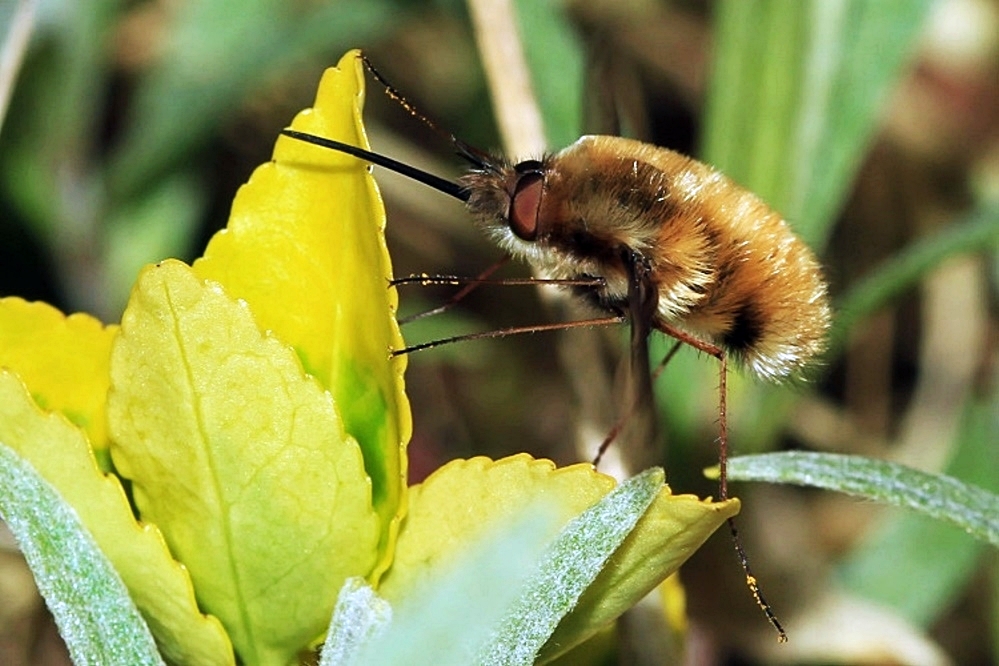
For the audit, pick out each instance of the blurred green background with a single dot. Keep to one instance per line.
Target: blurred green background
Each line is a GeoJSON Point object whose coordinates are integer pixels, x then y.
{"type": "Point", "coordinates": [872, 125]}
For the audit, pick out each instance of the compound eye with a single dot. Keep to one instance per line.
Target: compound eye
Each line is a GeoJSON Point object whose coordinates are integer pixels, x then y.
{"type": "Point", "coordinates": [526, 201]}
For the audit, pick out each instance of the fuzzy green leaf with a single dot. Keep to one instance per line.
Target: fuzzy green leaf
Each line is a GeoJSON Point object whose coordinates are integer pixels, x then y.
{"type": "Point", "coordinates": [567, 569]}
{"type": "Point", "coordinates": [447, 618]}
{"type": "Point", "coordinates": [87, 597]}
{"type": "Point", "coordinates": [477, 533]}
{"type": "Point", "coordinates": [159, 586]}
{"type": "Point", "coordinates": [942, 497]}
{"type": "Point", "coordinates": [359, 617]}
{"type": "Point", "coordinates": [500, 603]}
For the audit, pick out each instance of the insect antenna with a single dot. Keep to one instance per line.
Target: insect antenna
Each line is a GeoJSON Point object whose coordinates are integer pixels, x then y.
{"type": "Point", "coordinates": [440, 184]}
{"type": "Point", "coordinates": [478, 158]}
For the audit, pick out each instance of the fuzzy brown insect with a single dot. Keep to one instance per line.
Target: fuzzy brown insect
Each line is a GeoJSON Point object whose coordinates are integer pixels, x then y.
{"type": "Point", "coordinates": [725, 267]}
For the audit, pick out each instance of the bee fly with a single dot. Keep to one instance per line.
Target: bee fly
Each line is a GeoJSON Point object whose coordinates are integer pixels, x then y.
{"type": "Point", "coordinates": [653, 236]}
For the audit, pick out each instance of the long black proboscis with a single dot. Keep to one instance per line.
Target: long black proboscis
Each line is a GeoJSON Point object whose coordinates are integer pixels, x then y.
{"type": "Point", "coordinates": [441, 184]}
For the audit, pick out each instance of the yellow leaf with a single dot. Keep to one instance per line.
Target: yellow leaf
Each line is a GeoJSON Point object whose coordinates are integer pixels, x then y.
{"type": "Point", "coordinates": [305, 248]}
{"type": "Point", "coordinates": [463, 501]}
{"type": "Point", "coordinates": [159, 586]}
{"type": "Point", "coordinates": [241, 460]}
{"type": "Point", "coordinates": [63, 361]}
{"type": "Point", "coordinates": [673, 598]}
{"type": "Point", "coordinates": [670, 531]}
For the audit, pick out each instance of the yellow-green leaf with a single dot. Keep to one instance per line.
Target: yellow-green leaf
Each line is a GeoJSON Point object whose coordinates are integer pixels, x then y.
{"type": "Point", "coordinates": [159, 586]}
{"type": "Point", "coordinates": [305, 248]}
{"type": "Point", "coordinates": [63, 361]}
{"type": "Point", "coordinates": [240, 458]}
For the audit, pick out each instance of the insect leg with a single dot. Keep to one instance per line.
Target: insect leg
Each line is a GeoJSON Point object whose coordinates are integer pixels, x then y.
{"type": "Point", "coordinates": [464, 291]}
{"type": "Point", "coordinates": [616, 430]}
{"type": "Point", "coordinates": [473, 283]}
{"type": "Point", "coordinates": [740, 552]}
{"type": "Point", "coordinates": [643, 301]}
{"type": "Point", "coordinates": [513, 330]}
{"type": "Point", "coordinates": [753, 585]}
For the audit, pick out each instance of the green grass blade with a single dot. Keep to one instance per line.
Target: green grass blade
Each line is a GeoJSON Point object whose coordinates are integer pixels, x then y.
{"type": "Point", "coordinates": [979, 230]}
{"type": "Point", "coordinates": [937, 554]}
{"type": "Point", "coordinates": [796, 95]}
{"type": "Point", "coordinates": [88, 600]}
{"type": "Point", "coordinates": [942, 497]}
{"type": "Point", "coordinates": [555, 58]}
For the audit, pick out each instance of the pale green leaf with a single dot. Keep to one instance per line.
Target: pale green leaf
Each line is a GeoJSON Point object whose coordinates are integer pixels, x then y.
{"type": "Point", "coordinates": [450, 614]}
{"type": "Point", "coordinates": [464, 501]}
{"type": "Point", "coordinates": [501, 596]}
{"type": "Point", "coordinates": [566, 570]}
{"type": "Point", "coordinates": [672, 529]}
{"type": "Point", "coordinates": [241, 460]}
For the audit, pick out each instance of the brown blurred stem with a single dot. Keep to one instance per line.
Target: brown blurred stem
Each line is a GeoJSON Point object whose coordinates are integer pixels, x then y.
{"type": "Point", "coordinates": [509, 79]}
{"type": "Point", "coordinates": [15, 45]}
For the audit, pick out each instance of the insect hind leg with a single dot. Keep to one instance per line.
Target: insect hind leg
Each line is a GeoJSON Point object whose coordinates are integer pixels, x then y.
{"type": "Point", "coordinates": [722, 356]}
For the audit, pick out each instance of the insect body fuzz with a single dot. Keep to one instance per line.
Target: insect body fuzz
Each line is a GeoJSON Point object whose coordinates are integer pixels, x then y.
{"type": "Point", "coordinates": [726, 267]}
